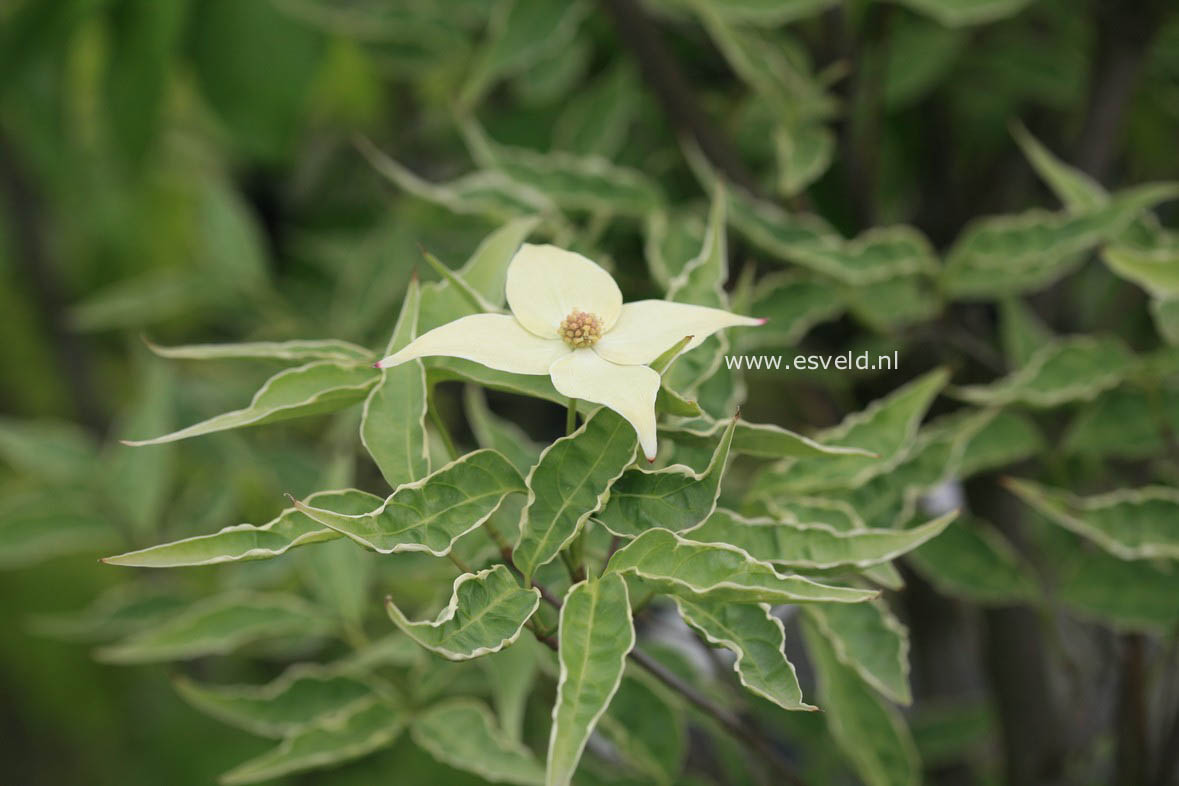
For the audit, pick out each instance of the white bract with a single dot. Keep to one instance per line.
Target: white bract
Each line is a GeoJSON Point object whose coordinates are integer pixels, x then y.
{"type": "Point", "coordinates": [568, 321]}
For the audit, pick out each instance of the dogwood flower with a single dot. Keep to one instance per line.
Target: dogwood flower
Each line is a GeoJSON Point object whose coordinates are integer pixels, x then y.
{"type": "Point", "coordinates": [568, 321]}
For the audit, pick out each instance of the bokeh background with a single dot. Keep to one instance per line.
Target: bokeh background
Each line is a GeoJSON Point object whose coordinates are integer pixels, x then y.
{"type": "Point", "coordinates": [190, 170]}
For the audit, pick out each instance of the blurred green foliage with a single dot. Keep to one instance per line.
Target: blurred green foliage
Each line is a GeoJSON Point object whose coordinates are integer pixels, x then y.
{"type": "Point", "coordinates": [263, 170]}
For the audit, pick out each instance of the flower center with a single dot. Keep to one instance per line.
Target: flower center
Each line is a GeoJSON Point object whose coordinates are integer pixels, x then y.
{"type": "Point", "coordinates": [580, 329]}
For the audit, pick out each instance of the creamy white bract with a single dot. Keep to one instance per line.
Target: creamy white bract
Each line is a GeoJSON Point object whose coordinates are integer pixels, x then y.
{"type": "Point", "coordinates": [568, 321]}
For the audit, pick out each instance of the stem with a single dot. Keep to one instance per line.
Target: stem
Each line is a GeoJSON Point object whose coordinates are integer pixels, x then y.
{"type": "Point", "coordinates": [571, 417]}
{"type": "Point", "coordinates": [458, 562]}
{"type": "Point", "coordinates": [440, 425]}
{"type": "Point", "coordinates": [741, 730]}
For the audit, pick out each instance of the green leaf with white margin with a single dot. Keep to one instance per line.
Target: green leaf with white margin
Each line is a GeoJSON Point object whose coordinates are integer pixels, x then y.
{"type": "Point", "coordinates": [511, 673]}
{"type": "Point", "coordinates": [577, 183]}
{"type": "Point", "coordinates": [52, 449]}
{"type": "Point", "coordinates": [299, 351]}
{"type": "Point", "coordinates": [294, 700]}
{"type": "Point", "coordinates": [570, 483]}
{"type": "Point", "coordinates": [963, 13]}
{"type": "Point", "coordinates": [1021, 332]}
{"type": "Point", "coordinates": [1154, 268]}
{"type": "Point", "coordinates": [463, 734]}
{"type": "Point", "coordinates": [761, 13]}
{"type": "Point", "coordinates": [38, 525]}
{"type": "Point", "coordinates": [973, 561]}
{"type": "Point", "coordinates": [486, 613]}
{"type": "Point", "coordinates": [1071, 369]}
{"type": "Point", "coordinates": [671, 241]}
{"type": "Point", "coordinates": [720, 572]}
{"type": "Point", "coordinates": [793, 302]}
{"type": "Point", "coordinates": [137, 482]}
{"type": "Point", "coordinates": [219, 625]}
{"type": "Point", "coordinates": [813, 546]}
{"type": "Point", "coordinates": [776, 232]}
{"type": "Point", "coordinates": [595, 634]}
{"type": "Point", "coordinates": [312, 389]}
{"type": "Point", "coordinates": [762, 440]}
{"type": "Point", "coordinates": [1126, 594]}
{"type": "Point", "coordinates": [1000, 255]}
{"type": "Point", "coordinates": [871, 641]}
{"type": "Point", "coordinates": [885, 428]}
{"type": "Point", "coordinates": [1165, 313]}
{"type": "Point", "coordinates": [871, 732]}
{"type": "Point", "coordinates": [646, 729]}
{"type": "Point", "coordinates": [1131, 524]}
{"type": "Point", "coordinates": [430, 514]}
{"type": "Point", "coordinates": [803, 152]}
{"type": "Point", "coordinates": [673, 498]}
{"type": "Point", "coordinates": [758, 639]}
{"type": "Point", "coordinates": [521, 33]}
{"type": "Point", "coordinates": [490, 194]}
{"type": "Point", "coordinates": [701, 282]}
{"type": "Point", "coordinates": [485, 272]}
{"type": "Point", "coordinates": [335, 738]}
{"type": "Point", "coordinates": [879, 254]}
{"type": "Point", "coordinates": [1124, 422]}
{"type": "Point", "coordinates": [119, 611]}
{"type": "Point", "coordinates": [894, 303]}
{"type": "Point", "coordinates": [597, 117]}
{"type": "Point", "coordinates": [393, 421]}
{"type": "Point", "coordinates": [496, 433]}
{"type": "Point", "coordinates": [243, 542]}
{"type": "Point", "coordinates": [1077, 190]}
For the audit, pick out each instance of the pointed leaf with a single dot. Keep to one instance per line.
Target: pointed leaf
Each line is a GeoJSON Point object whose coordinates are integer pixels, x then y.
{"type": "Point", "coordinates": [1124, 422]}
{"type": "Point", "coordinates": [595, 635]}
{"type": "Point", "coordinates": [219, 625]}
{"type": "Point", "coordinates": [793, 303]}
{"type": "Point", "coordinates": [393, 421]}
{"type": "Point", "coordinates": [570, 483]}
{"type": "Point", "coordinates": [430, 514]}
{"type": "Point", "coordinates": [763, 440]}
{"type": "Point", "coordinates": [718, 572]}
{"type": "Point", "coordinates": [486, 613]}
{"type": "Point", "coordinates": [248, 541]}
{"type": "Point", "coordinates": [813, 546]}
{"type": "Point", "coordinates": [880, 254]}
{"type": "Point", "coordinates": [673, 498]}
{"type": "Point", "coordinates": [312, 389]}
{"type": "Point", "coordinates": [971, 560]}
{"type": "Point", "coordinates": [871, 732]}
{"type": "Point", "coordinates": [299, 350]}
{"type": "Point", "coordinates": [1010, 254]}
{"type": "Point", "coordinates": [463, 733]}
{"type": "Point", "coordinates": [869, 640]}
{"type": "Point", "coordinates": [1077, 190]}
{"type": "Point", "coordinates": [1132, 524]}
{"type": "Point", "coordinates": [1071, 369]}
{"type": "Point", "coordinates": [298, 698]}
{"type": "Point", "coordinates": [885, 428]}
{"type": "Point", "coordinates": [334, 739]}
{"type": "Point", "coordinates": [758, 639]}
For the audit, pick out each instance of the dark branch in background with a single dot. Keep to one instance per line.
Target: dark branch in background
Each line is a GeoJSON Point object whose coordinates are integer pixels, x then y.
{"type": "Point", "coordinates": [671, 88]}
{"type": "Point", "coordinates": [859, 140]}
{"type": "Point", "coordinates": [1132, 725]}
{"type": "Point", "coordinates": [33, 256]}
{"type": "Point", "coordinates": [741, 730]}
{"type": "Point", "coordinates": [1017, 665]}
{"type": "Point", "coordinates": [1124, 33]}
